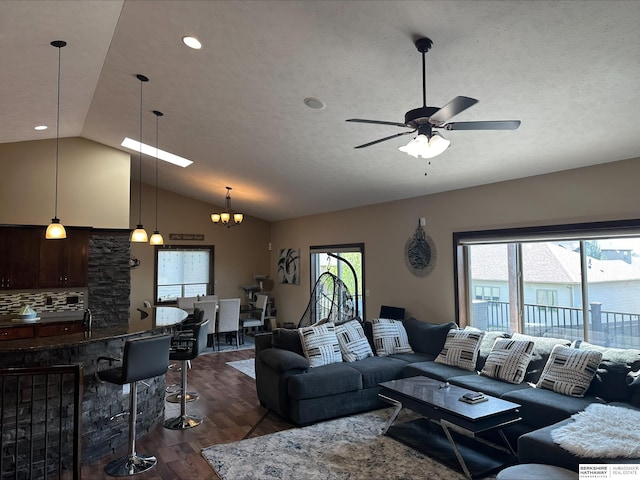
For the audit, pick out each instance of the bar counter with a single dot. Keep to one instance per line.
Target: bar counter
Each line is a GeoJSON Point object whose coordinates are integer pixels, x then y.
{"type": "Point", "coordinates": [153, 320]}
{"type": "Point", "coordinates": [101, 401]}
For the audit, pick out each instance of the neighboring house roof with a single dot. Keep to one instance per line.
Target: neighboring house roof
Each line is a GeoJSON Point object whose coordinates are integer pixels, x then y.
{"type": "Point", "coordinates": [547, 263]}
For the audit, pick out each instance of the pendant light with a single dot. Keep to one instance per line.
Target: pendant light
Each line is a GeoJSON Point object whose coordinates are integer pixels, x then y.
{"type": "Point", "coordinates": [56, 230]}
{"type": "Point", "coordinates": [224, 218]}
{"type": "Point", "coordinates": [156, 238]}
{"type": "Point", "coordinates": [139, 235]}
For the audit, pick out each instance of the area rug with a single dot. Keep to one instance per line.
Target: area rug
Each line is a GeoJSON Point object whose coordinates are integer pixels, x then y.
{"type": "Point", "coordinates": [245, 366]}
{"type": "Point", "coordinates": [601, 431]}
{"type": "Point", "coordinates": [344, 449]}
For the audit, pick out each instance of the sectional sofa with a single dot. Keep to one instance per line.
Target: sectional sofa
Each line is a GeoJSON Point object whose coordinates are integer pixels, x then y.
{"type": "Point", "coordinates": [292, 383]}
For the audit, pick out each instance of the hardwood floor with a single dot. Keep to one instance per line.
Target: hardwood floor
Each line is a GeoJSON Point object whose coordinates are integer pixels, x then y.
{"type": "Point", "coordinates": [230, 407]}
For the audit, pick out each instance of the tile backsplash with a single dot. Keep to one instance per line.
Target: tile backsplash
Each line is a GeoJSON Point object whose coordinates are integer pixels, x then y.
{"type": "Point", "coordinates": [43, 302]}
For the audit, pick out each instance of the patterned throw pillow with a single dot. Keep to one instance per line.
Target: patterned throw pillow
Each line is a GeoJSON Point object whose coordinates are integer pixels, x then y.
{"type": "Point", "coordinates": [569, 370]}
{"type": "Point", "coordinates": [461, 348]}
{"type": "Point", "coordinates": [508, 360]}
{"type": "Point", "coordinates": [353, 342]}
{"type": "Point", "coordinates": [389, 337]}
{"type": "Point", "coordinates": [320, 344]}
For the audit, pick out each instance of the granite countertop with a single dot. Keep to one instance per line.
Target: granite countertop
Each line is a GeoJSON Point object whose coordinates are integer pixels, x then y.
{"type": "Point", "coordinates": [154, 319]}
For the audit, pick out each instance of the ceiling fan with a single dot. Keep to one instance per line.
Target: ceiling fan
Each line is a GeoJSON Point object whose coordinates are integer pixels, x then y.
{"type": "Point", "coordinates": [425, 120]}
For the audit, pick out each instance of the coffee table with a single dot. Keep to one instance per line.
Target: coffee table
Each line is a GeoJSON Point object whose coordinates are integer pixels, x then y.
{"type": "Point", "coordinates": [449, 429]}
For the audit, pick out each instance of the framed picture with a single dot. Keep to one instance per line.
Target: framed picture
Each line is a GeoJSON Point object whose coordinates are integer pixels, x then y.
{"type": "Point", "coordinates": [289, 266]}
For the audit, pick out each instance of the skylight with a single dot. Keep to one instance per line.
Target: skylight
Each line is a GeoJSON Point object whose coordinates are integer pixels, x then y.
{"type": "Point", "coordinates": [151, 151]}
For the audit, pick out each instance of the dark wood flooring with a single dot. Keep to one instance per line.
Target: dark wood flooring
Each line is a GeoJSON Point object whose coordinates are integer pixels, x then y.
{"type": "Point", "coordinates": [230, 407]}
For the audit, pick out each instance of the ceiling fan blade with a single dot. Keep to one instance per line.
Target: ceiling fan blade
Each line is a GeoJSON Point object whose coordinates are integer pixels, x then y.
{"type": "Point", "coordinates": [498, 125]}
{"type": "Point", "coordinates": [454, 107]}
{"type": "Point", "coordinates": [385, 138]}
{"type": "Point", "coordinates": [378, 122]}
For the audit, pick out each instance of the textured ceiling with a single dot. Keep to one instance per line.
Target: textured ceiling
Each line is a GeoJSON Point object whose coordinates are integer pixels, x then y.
{"type": "Point", "coordinates": [569, 70]}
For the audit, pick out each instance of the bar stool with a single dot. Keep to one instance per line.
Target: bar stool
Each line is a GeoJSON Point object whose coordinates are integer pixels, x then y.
{"type": "Point", "coordinates": [186, 326]}
{"type": "Point", "coordinates": [186, 348]}
{"type": "Point", "coordinates": [143, 358]}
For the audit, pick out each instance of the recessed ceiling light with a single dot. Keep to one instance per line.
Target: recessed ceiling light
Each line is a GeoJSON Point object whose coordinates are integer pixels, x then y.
{"type": "Point", "coordinates": [151, 151]}
{"type": "Point", "coordinates": [192, 42]}
{"type": "Point", "coordinates": [314, 103]}
{"type": "Point", "coordinates": [40, 127]}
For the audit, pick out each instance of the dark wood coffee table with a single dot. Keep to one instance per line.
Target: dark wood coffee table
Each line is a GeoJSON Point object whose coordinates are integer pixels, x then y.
{"type": "Point", "coordinates": [451, 430]}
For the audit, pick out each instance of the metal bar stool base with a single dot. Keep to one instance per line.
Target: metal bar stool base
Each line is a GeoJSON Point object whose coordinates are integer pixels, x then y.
{"type": "Point", "coordinates": [183, 422]}
{"type": "Point", "coordinates": [177, 397]}
{"type": "Point", "coordinates": [130, 465]}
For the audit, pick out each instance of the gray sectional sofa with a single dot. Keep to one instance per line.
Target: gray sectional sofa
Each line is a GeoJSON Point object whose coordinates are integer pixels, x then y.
{"type": "Point", "coordinates": [289, 387]}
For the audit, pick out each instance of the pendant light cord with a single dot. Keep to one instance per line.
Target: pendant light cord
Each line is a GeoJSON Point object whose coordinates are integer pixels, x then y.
{"type": "Point", "coordinates": [140, 166]}
{"type": "Point", "coordinates": [157, 114]}
{"type": "Point", "coordinates": [55, 214]}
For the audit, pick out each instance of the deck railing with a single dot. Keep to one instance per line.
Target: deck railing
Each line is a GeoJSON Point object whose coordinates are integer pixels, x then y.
{"type": "Point", "coordinates": [41, 422]}
{"type": "Point", "coordinates": [606, 328]}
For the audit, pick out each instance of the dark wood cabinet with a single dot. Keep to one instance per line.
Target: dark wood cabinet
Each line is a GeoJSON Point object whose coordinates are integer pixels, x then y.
{"type": "Point", "coordinates": [17, 333]}
{"type": "Point", "coordinates": [19, 255]}
{"type": "Point", "coordinates": [37, 330]}
{"type": "Point", "coordinates": [63, 263]}
{"type": "Point", "coordinates": [54, 329]}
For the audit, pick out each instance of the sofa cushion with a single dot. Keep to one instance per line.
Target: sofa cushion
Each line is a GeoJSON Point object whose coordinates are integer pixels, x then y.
{"type": "Point", "coordinates": [389, 336]}
{"type": "Point", "coordinates": [461, 348]}
{"type": "Point", "coordinates": [413, 357]}
{"type": "Point", "coordinates": [324, 381]}
{"type": "Point", "coordinates": [282, 360]}
{"type": "Point", "coordinates": [616, 371]}
{"type": "Point", "coordinates": [542, 347]}
{"type": "Point", "coordinates": [508, 360]}
{"type": "Point", "coordinates": [541, 407]}
{"type": "Point", "coordinates": [320, 344]}
{"type": "Point", "coordinates": [287, 339]}
{"type": "Point", "coordinates": [427, 337]}
{"type": "Point", "coordinates": [569, 370]}
{"type": "Point", "coordinates": [375, 370]}
{"type": "Point", "coordinates": [437, 371]}
{"type": "Point", "coordinates": [491, 386]}
{"type": "Point", "coordinates": [353, 343]}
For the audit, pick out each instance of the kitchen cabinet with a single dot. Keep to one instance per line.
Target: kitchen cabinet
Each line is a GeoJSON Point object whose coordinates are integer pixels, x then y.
{"type": "Point", "coordinates": [17, 333]}
{"type": "Point", "coordinates": [64, 263]}
{"type": "Point", "coordinates": [19, 257]}
{"type": "Point", "coordinates": [54, 329]}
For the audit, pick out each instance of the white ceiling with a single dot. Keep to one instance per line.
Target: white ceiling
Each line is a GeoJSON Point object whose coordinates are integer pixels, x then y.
{"type": "Point", "coordinates": [570, 70]}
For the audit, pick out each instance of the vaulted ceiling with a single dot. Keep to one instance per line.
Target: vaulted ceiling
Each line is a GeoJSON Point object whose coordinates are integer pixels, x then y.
{"type": "Point", "coordinates": [569, 70]}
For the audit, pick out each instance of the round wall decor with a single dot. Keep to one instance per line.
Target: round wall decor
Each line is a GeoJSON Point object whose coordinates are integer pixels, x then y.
{"type": "Point", "coordinates": [420, 253]}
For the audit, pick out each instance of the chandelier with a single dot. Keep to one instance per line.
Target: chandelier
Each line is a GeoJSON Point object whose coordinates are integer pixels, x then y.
{"type": "Point", "coordinates": [224, 218]}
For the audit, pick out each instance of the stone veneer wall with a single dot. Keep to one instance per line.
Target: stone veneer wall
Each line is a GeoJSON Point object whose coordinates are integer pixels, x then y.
{"type": "Point", "coordinates": [109, 278]}
{"type": "Point", "coordinates": [101, 401]}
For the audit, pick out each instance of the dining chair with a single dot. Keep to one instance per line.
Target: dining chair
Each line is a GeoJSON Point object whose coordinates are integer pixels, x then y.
{"type": "Point", "coordinates": [186, 303]}
{"type": "Point", "coordinates": [210, 309]}
{"type": "Point", "coordinates": [228, 318]}
{"type": "Point", "coordinates": [256, 321]}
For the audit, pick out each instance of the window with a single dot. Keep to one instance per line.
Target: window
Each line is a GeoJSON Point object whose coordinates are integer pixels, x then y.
{"type": "Point", "coordinates": [571, 281]}
{"type": "Point", "coordinates": [344, 261]}
{"type": "Point", "coordinates": [182, 271]}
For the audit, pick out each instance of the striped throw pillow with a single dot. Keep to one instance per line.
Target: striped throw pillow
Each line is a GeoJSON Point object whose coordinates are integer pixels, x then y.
{"type": "Point", "coordinates": [569, 371]}
{"type": "Point", "coordinates": [389, 337]}
{"type": "Point", "coordinates": [320, 344]}
{"type": "Point", "coordinates": [353, 342]}
{"type": "Point", "coordinates": [508, 360]}
{"type": "Point", "coordinates": [461, 348]}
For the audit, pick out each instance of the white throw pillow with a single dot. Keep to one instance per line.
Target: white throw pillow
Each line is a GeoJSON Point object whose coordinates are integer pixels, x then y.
{"type": "Point", "coordinates": [353, 342]}
{"type": "Point", "coordinates": [508, 360]}
{"type": "Point", "coordinates": [389, 337]}
{"type": "Point", "coordinates": [461, 348]}
{"type": "Point", "coordinates": [320, 344]}
{"type": "Point", "coordinates": [569, 370]}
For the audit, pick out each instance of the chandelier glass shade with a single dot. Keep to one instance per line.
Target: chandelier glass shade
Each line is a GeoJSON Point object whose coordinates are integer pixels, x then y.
{"type": "Point", "coordinates": [224, 218]}
{"type": "Point", "coordinates": [56, 230]}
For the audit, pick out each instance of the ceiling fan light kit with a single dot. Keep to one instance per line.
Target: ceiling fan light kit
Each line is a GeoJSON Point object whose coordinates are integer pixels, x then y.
{"type": "Point", "coordinates": [429, 144]}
